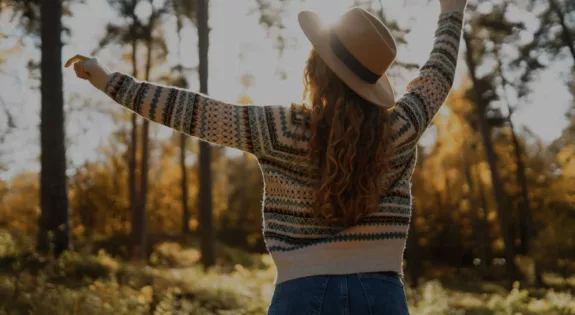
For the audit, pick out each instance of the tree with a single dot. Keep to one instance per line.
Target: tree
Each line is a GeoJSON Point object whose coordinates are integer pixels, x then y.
{"type": "Point", "coordinates": [43, 19]}
{"type": "Point", "coordinates": [206, 222]}
{"type": "Point", "coordinates": [478, 228]}
{"type": "Point", "coordinates": [469, 155]}
{"type": "Point", "coordinates": [140, 218]}
{"type": "Point", "coordinates": [53, 191]}
{"type": "Point", "coordinates": [547, 40]}
{"type": "Point", "coordinates": [27, 13]}
{"type": "Point", "coordinates": [242, 193]}
{"type": "Point", "coordinates": [483, 96]}
{"type": "Point", "coordinates": [8, 121]}
{"type": "Point", "coordinates": [127, 34]}
{"type": "Point", "coordinates": [134, 33]}
{"type": "Point", "coordinates": [515, 76]}
{"type": "Point", "coordinates": [526, 229]}
{"type": "Point", "coordinates": [512, 76]}
{"type": "Point", "coordinates": [182, 9]}
{"type": "Point", "coordinates": [485, 130]}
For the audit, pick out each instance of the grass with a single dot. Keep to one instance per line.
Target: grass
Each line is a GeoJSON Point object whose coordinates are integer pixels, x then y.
{"type": "Point", "coordinates": [173, 283]}
{"type": "Point", "coordinates": [76, 284]}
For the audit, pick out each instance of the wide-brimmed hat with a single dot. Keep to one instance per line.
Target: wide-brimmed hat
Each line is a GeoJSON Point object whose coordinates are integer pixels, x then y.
{"type": "Point", "coordinates": [359, 49]}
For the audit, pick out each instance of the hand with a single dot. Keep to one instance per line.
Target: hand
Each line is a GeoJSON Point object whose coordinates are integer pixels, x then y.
{"type": "Point", "coordinates": [452, 5]}
{"type": "Point", "coordinates": [91, 70]}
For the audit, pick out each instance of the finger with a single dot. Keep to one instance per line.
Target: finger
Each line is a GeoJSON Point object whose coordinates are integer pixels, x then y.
{"type": "Point", "coordinates": [75, 59]}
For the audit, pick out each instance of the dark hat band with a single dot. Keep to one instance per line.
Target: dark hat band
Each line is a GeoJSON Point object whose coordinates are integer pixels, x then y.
{"type": "Point", "coordinates": [351, 62]}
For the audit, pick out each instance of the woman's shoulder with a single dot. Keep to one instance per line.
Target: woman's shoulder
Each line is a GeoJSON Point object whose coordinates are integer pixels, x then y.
{"type": "Point", "coordinates": [288, 127]}
{"type": "Point", "coordinates": [286, 124]}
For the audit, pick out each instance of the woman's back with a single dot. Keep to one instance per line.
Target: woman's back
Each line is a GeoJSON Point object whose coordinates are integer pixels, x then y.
{"type": "Point", "coordinates": [303, 244]}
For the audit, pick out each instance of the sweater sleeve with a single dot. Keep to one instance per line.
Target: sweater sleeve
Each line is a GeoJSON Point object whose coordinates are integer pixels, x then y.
{"type": "Point", "coordinates": [195, 114]}
{"type": "Point", "coordinates": [426, 93]}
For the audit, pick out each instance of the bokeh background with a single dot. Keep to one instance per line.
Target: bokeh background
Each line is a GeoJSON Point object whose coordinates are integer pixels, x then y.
{"type": "Point", "coordinates": [101, 213]}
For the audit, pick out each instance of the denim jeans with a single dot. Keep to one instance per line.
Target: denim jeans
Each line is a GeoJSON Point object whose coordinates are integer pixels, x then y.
{"type": "Point", "coordinates": [376, 293]}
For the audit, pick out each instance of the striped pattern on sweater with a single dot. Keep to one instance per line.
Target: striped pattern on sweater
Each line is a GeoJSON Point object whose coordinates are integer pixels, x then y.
{"type": "Point", "coordinates": [300, 244]}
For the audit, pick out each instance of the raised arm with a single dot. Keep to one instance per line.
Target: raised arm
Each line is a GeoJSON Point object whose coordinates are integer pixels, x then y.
{"type": "Point", "coordinates": [235, 126]}
{"type": "Point", "coordinates": [428, 91]}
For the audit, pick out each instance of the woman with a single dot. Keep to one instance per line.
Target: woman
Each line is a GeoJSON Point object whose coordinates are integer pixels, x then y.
{"type": "Point", "coordinates": [337, 172]}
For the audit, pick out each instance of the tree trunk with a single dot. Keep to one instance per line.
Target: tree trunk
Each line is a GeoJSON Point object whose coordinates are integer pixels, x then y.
{"type": "Point", "coordinates": [183, 137]}
{"type": "Point", "coordinates": [526, 231]}
{"type": "Point", "coordinates": [484, 223]}
{"type": "Point", "coordinates": [538, 273]}
{"type": "Point", "coordinates": [243, 195]}
{"type": "Point", "coordinates": [132, 192]}
{"type": "Point", "coordinates": [491, 157]}
{"type": "Point", "coordinates": [53, 225]}
{"type": "Point", "coordinates": [478, 232]}
{"type": "Point", "coordinates": [185, 208]}
{"type": "Point", "coordinates": [526, 226]}
{"type": "Point", "coordinates": [565, 31]}
{"type": "Point", "coordinates": [140, 218]}
{"type": "Point", "coordinates": [244, 207]}
{"type": "Point", "coordinates": [525, 219]}
{"type": "Point", "coordinates": [206, 225]}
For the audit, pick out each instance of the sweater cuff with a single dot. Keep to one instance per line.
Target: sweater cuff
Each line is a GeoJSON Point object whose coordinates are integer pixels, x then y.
{"type": "Point", "coordinates": [457, 14]}
{"type": "Point", "coordinates": [115, 82]}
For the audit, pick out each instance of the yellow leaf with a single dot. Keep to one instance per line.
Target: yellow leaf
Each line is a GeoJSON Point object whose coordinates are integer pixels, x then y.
{"type": "Point", "coordinates": [245, 100]}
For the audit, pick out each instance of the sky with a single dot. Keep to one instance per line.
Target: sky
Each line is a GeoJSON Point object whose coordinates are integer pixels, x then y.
{"type": "Point", "coordinates": [234, 33]}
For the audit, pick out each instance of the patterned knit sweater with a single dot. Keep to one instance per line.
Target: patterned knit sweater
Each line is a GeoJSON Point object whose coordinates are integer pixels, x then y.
{"type": "Point", "coordinates": [300, 244]}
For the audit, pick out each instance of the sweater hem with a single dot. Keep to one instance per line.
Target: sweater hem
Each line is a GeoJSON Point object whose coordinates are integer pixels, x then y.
{"type": "Point", "coordinates": [340, 259]}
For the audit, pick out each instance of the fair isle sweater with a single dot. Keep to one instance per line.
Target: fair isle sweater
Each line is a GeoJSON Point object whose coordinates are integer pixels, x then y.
{"type": "Point", "coordinates": [300, 244]}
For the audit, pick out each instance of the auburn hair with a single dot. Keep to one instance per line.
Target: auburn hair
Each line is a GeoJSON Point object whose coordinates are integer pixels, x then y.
{"type": "Point", "coordinates": [349, 145]}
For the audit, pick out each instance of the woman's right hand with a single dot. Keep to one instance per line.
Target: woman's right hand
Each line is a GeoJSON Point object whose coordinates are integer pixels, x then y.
{"type": "Point", "coordinates": [90, 69]}
{"type": "Point", "coordinates": [452, 5]}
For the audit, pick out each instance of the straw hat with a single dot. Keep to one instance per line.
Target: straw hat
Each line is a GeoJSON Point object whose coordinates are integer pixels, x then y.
{"type": "Point", "coordinates": [358, 49]}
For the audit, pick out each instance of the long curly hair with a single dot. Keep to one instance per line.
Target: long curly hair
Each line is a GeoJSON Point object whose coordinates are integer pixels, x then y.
{"type": "Point", "coordinates": [349, 145]}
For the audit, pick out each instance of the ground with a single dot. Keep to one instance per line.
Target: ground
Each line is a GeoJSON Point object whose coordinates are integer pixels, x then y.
{"type": "Point", "coordinates": [173, 283]}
